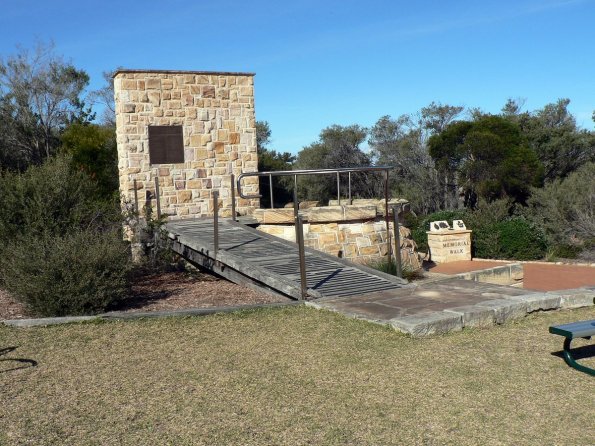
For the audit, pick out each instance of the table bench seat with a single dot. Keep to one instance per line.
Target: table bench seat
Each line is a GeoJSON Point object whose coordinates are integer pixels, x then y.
{"type": "Point", "coordinates": [581, 329]}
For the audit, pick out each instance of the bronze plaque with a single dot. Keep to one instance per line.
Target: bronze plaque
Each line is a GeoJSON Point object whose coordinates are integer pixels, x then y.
{"type": "Point", "coordinates": [166, 144]}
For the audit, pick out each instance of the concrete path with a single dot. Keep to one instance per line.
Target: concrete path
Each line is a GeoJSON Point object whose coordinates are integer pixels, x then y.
{"type": "Point", "coordinates": [543, 277]}
{"type": "Point", "coordinates": [536, 276]}
{"type": "Point", "coordinates": [451, 304]}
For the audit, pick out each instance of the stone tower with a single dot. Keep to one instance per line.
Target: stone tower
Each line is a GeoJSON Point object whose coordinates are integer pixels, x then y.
{"type": "Point", "coordinates": [189, 129]}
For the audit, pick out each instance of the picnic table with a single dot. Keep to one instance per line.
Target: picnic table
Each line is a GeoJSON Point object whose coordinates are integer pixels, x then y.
{"type": "Point", "coordinates": [574, 330]}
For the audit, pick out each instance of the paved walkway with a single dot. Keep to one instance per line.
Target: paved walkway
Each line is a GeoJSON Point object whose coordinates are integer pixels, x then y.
{"type": "Point", "coordinates": [417, 300]}
{"type": "Point", "coordinates": [538, 276]}
{"type": "Point", "coordinates": [451, 304]}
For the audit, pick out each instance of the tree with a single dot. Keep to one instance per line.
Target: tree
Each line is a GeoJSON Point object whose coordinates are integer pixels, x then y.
{"type": "Point", "coordinates": [263, 134]}
{"type": "Point", "coordinates": [566, 208]}
{"type": "Point", "coordinates": [105, 97]}
{"type": "Point", "coordinates": [513, 107]}
{"type": "Point", "coordinates": [402, 144]}
{"type": "Point", "coordinates": [337, 147]}
{"type": "Point", "coordinates": [270, 161]}
{"type": "Point", "coordinates": [93, 149]}
{"type": "Point", "coordinates": [40, 94]}
{"type": "Point", "coordinates": [436, 117]}
{"type": "Point", "coordinates": [553, 135]}
{"type": "Point", "coordinates": [490, 158]}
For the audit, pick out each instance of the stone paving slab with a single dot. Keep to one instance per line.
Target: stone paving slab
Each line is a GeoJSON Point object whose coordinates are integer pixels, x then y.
{"type": "Point", "coordinates": [452, 304]}
{"type": "Point", "coordinates": [505, 309]}
{"type": "Point", "coordinates": [429, 323]}
{"type": "Point", "coordinates": [580, 297]}
{"type": "Point", "coordinates": [475, 316]}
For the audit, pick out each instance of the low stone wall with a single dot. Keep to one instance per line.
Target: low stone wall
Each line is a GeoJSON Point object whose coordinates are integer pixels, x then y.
{"type": "Point", "coordinates": [510, 274]}
{"type": "Point", "coordinates": [357, 234]}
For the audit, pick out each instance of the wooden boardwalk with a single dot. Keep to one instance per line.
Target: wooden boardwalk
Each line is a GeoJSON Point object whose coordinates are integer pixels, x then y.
{"type": "Point", "coordinates": [253, 258]}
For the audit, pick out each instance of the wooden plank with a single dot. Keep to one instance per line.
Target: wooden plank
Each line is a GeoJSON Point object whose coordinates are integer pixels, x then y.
{"type": "Point", "coordinates": [248, 256]}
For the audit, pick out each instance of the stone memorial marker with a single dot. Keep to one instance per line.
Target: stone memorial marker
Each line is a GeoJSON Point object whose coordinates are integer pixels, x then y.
{"type": "Point", "coordinates": [448, 244]}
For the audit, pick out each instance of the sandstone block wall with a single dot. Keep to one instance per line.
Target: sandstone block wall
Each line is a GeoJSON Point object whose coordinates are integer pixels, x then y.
{"type": "Point", "coordinates": [216, 111]}
{"type": "Point", "coordinates": [358, 241]}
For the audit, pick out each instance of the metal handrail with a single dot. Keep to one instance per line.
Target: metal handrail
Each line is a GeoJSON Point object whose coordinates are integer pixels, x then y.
{"type": "Point", "coordinates": [299, 236]}
{"type": "Point", "coordinates": [296, 173]}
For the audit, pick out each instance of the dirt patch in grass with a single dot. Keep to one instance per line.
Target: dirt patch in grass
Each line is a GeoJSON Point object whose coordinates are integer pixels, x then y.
{"type": "Point", "coordinates": [293, 376]}
{"type": "Point", "coordinates": [177, 290]}
{"type": "Point", "coordinates": [9, 308]}
{"type": "Point", "coordinates": [168, 291]}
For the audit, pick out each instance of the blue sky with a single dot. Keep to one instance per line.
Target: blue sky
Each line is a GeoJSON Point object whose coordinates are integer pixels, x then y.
{"type": "Point", "coordinates": [319, 63]}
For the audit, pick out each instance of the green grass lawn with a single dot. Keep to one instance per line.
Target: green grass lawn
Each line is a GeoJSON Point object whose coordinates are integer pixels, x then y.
{"type": "Point", "coordinates": [292, 376]}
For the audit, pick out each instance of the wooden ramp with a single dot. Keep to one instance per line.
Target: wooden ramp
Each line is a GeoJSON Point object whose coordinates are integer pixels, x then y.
{"type": "Point", "coordinates": [250, 257]}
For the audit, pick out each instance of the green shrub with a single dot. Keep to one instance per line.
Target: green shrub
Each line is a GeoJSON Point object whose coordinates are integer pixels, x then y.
{"type": "Point", "coordinates": [83, 272]}
{"type": "Point", "coordinates": [566, 251]}
{"type": "Point", "coordinates": [409, 273]}
{"type": "Point", "coordinates": [520, 240]}
{"type": "Point", "coordinates": [53, 198]}
{"type": "Point", "coordinates": [486, 240]}
{"type": "Point", "coordinates": [93, 149]}
{"type": "Point", "coordinates": [495, 235]}
{"type": "Point", "coordinates": [566, 209]}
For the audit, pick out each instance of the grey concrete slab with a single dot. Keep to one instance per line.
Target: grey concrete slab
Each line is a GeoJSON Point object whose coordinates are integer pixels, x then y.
{"type": "Point", "coordinates": [475, 316]}
{"type": "Point", "coordinates": [505, 309]}
{"type": "Point", "coordinates": [438, 322]}
{"type": "Point", "coordinates": [577, 298]}
{"type": "Point", "coordinates": [539, 302]}
{"type": "Point", "coordinates": [437, 307]}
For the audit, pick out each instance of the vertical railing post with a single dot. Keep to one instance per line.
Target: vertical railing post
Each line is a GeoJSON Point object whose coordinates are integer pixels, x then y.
{"type": "Point", "coordinates": [271, 190]}
{"type": "Point", "coordinates": [135, 198]}
{"type": "Point", "coordinates": [338, 189]}
{"type": "Point", "coordinates": [387, 219]}
{"type": "Point", "coordinates": [157, 198]}
{"type": "Point", "coordinates": [302, 254]}
{"type": "Point", "coordinates": [299, 239]}
{"type": "Point", "coordinates": [349, 177]}
{"type": "Point", "coordinates": [233, 198]}
{"type": "Point", "coordinates": [216, 221]}
{"type": "Point", "coordinates": [399, 268]}
{"type": "Point", "coordinates": [295, 201]}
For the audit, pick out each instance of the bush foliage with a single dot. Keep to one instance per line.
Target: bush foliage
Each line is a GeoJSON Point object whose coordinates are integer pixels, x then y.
{"type": "Point", "coordinates": [495, 235]}
{"type": "Point", "coordinates": [61, 248]}
{"type": "Point", "coordinates": [83, 272]}
{"type": "Point", "coordinates": [53, 198]}
{"type": "Point", "coordinates": [518, 239]}
{"type": "Point", "coordinates": [566, 210]}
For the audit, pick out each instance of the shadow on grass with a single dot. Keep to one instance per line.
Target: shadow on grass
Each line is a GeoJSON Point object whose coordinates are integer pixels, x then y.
{"type": "Point", "coordinates": [142, 299]}
{"type": "Point", "coordinates": [586, 351]}
{"type": "Point", "coordinates": [27, 362]}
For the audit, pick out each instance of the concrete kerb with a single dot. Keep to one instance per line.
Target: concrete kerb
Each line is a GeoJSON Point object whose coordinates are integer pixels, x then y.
{"type": "Point", "coordinates": [506, 274]}
{"type": "Point", "coordinates": [322, 304]}
{"type": "Point", "coordinates": [428, 324]}
{"type": "Point", "coordinates": [575, 298]}
{"type": "Point", "coordinates": [118, 315]}
{"type": "Point", "coordinates": [45, 321]}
